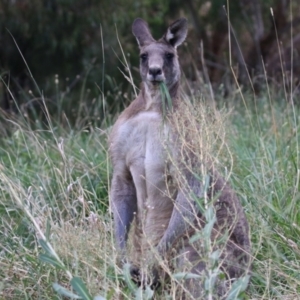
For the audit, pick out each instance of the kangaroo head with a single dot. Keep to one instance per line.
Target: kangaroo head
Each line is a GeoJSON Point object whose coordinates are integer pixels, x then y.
{"type": "Point", "coordinates": [158, 59]}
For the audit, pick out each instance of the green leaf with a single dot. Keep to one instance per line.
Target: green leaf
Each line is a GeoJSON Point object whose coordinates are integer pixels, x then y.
{"type": "Point", "coordinates": [49, 259]}
{"type": "Point", "coordinates": [144, 294]}
{"type": "Point", "coordinates": [64, 292]}
{"type": "Point", "coordinates": [163, 102]}
{"type": "Point", "coordinates": [166, 98]}
{"type": "Point", "coordinates": [211, 280]}
{"type": "Point", "coordinates": [127, 277]}
{"type": "Point", "coordinates": [210, 214]}
{"type": "Point", "coordinates": [214, 257]}
{"type": "Point", "coordinates": [208, 229]}
{"type": "Point", "coordinates": [206, 183]}
{"type": "Point", "coordinates": [44, 245]}
{"type": "Point", "coordinates": [148, 293]}
{"type": "Point", "coordinates": [238, 287]}
{"type": "Point", "coordinates": [139, 294]}
{"type": "Point", "coordinates": [194, 238]}
{"type": "Point", "coordinates": [80, 288]}
{"type": "Point", "coordinates": [183, 275]}
{"type": "Point", "coordinates": [199, 201]}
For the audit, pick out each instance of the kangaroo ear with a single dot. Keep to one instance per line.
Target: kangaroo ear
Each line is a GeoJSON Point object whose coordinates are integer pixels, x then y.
{"type": "Point", "coordinates": [141, 31]}
{"type": "Point", "coordinates": [176, 32]}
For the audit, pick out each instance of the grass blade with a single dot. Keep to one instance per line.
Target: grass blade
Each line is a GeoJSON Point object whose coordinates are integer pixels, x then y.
{"type": "Point", "coordinates": [51, 260]}
{"type": "Point", "coordinates": [80, 288]}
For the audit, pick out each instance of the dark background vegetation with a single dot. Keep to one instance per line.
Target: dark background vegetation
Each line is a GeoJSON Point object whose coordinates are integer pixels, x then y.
{"type": "Point", "coordinates": [73, 52]}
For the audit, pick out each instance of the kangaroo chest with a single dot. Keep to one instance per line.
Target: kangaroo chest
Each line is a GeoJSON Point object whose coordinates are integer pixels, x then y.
{"type": "Point", "coordinates": [143, 141]}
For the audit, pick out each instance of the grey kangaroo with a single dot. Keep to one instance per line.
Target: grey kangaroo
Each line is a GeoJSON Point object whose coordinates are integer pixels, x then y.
{"type": "Point", "coordinates": [140, 204]}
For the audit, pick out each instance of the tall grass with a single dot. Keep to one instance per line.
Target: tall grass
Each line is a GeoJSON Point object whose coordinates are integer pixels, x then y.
{"type": "Point", "coordinates": [266, 147]}
{"type": "Point", "coordinates": [54, 186]}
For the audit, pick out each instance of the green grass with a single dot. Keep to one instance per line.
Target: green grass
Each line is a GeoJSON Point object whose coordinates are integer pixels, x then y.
{"type": "Point", "coordinates": [54, 185]}
{"type": "Point", "coordinates": [267, 176]}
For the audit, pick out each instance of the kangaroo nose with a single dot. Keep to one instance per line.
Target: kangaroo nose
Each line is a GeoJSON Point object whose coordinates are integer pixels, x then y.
{"type": "Point", "coordinates": [155, 71]}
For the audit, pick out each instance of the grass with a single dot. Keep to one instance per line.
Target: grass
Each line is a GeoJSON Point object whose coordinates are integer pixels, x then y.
{"type": "Point", "coordinates": [55, 222]}
{"type": "Point", "coordinates": [266, 147]}
{"type": "Point", "coordinates": [59, 180]}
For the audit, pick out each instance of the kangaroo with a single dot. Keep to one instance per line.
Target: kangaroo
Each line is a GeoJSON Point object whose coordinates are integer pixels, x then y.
{"type": "Point", "coordinates": [138, 194]}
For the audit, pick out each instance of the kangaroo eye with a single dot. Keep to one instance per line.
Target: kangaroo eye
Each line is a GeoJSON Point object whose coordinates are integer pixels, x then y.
{"type": "Point", "coordinates": [169, 55]}
{"type": "Point", "coordinates": [144, 56]}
